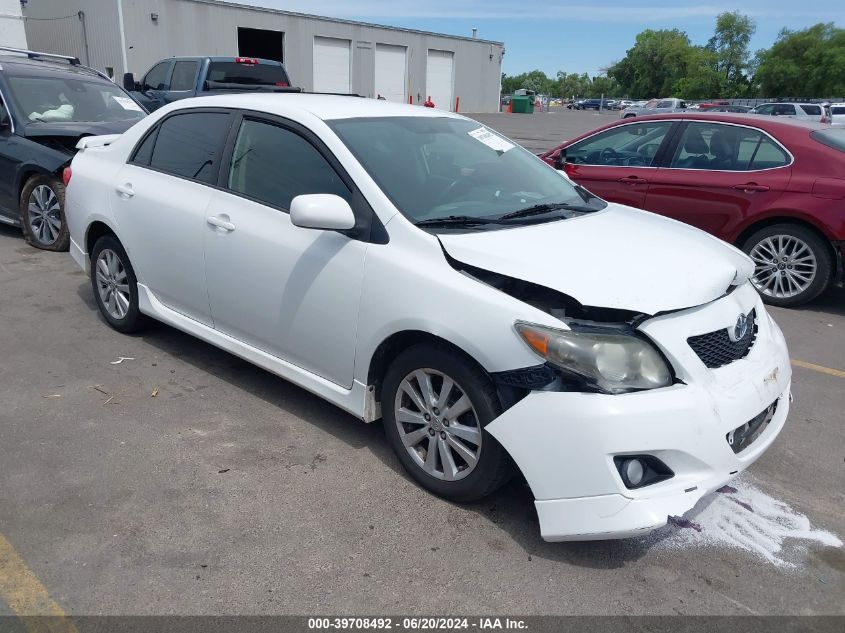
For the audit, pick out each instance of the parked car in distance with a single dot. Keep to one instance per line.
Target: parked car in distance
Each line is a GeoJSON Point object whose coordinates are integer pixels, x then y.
{"type": "Point", "coordinates": [47, 103]}
{"type": "Point", "coordinates": [178, 78]}
{"type": "Point", "coordinates": [342, 243]}
{"type": "Point", "coordinates": [655, 106]}
{"type": "Point", "coordinates": [799, 111]}
{"type": "Point", "coordinates": [740, 109]}
{"type": "Point", "coordinates": [837, 114]}
{"type": "Point", "coordinates": [773, 187]}
{"type": "Point", "coordinates": [592, 104]}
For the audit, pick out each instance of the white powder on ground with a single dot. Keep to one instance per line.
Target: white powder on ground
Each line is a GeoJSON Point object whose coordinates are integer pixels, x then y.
{"type": "Point", "coordinates": [747, 519]}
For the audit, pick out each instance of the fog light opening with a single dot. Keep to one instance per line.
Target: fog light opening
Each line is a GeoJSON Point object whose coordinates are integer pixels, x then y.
{"type": "Point", "coordinates": [634, 471]}
{"type": "Point", "coordinates": [638, 471]}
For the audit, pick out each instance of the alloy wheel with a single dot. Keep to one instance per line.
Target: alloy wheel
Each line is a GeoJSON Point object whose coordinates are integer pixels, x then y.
{"type": "Point", "coordinates": [45, 214]}
{"type": "Point", "coordinates": [785, 266]}
{"type": "Point", "coordinates": [438, 425]}
{"type": "Point", "coordinates": [112, 284]}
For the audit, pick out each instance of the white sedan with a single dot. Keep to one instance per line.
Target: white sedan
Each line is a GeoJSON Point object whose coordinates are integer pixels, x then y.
{"type": "Point", "coordinates": [411, 266]}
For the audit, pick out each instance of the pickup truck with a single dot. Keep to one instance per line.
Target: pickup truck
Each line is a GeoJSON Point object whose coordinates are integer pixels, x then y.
{"type": "Point", "coordinates": [182, 77]}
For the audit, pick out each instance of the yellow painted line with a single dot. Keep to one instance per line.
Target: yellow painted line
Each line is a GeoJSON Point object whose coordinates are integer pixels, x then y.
{"type": "Point", "coordinates": [820, 368]}
{"type": "Point", "coordinates": [21, 590]}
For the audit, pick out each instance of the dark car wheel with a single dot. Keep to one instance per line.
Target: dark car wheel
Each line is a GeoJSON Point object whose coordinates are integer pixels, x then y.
{"type": "Point", "coordinates": [435, 405]}
{"type": "Point", "coordinates": [793, 265]}
{"type": "Point", "coordinates": [42, 207]}
{"type": "Point", "coordinates": [115, 285]}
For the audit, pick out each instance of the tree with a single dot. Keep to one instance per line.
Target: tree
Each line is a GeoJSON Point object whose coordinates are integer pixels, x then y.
{"type": "Point", "coordinates": [535, 80]}
{"type": "Point", "coordinates": [806, 63]}
{"type": "Point", "coordinates": [655, 64]}
{"type": "Point", "coordinates": [730, 44]}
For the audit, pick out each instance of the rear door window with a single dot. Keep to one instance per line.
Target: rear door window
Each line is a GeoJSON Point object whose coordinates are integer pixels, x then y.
{"type": "Point", "coordinates": [184, 76]}
{"type": "Point", "coordinates": [812, 110]}
{"type": "Point", "coordinates": [190, 145]}
{"type": "Point", "coordinates": [721, 147]}
{"type": "Point", "coordinates": [784, 109]}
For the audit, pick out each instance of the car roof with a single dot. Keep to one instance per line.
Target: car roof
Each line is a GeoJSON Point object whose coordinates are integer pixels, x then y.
{"type": "Point", "coordinates": [43, 66]}
{"type": "Point", "coordinates": [798, 103]}
{"type": "Point", "coordinates": [756, 120]}
{"type": "Point", "coordinates": [323, 106]}
{"type": "Point", "coordinates": [219, 58]}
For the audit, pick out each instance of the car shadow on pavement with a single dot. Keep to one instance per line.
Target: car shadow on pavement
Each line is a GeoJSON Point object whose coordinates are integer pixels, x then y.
{"type": "Point", "coordinates": [831, 301]}
{"type": "Point", "coordinates": [511, 509]}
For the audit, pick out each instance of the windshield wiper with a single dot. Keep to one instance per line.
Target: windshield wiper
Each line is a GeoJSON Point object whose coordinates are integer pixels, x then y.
{"type": "Point", "coordinates": [540, 209]}
{"type": "Point", "coordinates": [456, 220]}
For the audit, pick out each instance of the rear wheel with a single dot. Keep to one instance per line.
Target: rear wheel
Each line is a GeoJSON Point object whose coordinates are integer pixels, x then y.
{"type": "Point", "coordinates": [42, 207]}
{"type": "Point", "coordinates": [115, 285]}
{"type": "Point", "coordinates": [435, 405]}
{"type": "Point", "coordinates": [793, 265]}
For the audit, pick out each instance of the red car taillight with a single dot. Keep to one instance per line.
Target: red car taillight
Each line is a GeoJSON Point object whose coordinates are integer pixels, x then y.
{"type": "Point", "coordinates": [66, 175]}
{"type": "Point", "coordinates": [246, 60]}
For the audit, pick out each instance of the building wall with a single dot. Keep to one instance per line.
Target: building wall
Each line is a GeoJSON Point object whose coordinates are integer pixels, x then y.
{"type": "Point", "coordinates": [12, 31]}
{"type": "Point", "coordinates": [209, 27]}
{"type": "Point", "coordinates": [54, 26]}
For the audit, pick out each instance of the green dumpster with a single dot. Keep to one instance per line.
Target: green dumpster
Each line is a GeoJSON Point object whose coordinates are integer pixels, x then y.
{"type": "Point", "coordinates": [522, 105]}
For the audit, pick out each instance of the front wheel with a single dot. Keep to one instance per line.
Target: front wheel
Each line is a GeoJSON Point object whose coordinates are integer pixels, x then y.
{"type": "Point", "coordinates": [436, 405]}
{"type": "Point", "coordinates": [793, 265]}
{"type": "Point", "coordinates": [42, 208]}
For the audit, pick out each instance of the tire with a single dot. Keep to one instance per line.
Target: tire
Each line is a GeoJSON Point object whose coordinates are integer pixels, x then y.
{"type": "Point", "coordinates": [805, 265]}
{"type": "Point", "coordinates": [118, 302]}
{"type": "Point", "coordinates": [42, 207]}
{"type": "Point", "coordinates": [629, 116]}
{"type": "Point", "coordinates": [468, 481]}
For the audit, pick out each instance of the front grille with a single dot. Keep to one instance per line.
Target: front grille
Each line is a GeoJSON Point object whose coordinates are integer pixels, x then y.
{"type": "Point", "coordinates": [716, 349]}
{"type": "Point", "coordinates": [742, 436]}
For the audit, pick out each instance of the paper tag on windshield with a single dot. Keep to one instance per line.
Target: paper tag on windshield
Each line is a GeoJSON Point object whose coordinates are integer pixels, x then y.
{"type": "Point", "coordinates": [127, 104]}
{"type": "Point", "coordinates": [491, 140]}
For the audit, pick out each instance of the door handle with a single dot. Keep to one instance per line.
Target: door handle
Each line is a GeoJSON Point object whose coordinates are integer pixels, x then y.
{"type": "Point", "coordinates": [220, 223]}
{"type": "Point", "coordinates": [751, 187]}
{"type": "Point", "coordinates": [125, 191]}
{"type": "Point", "coordinates": [634, 180]}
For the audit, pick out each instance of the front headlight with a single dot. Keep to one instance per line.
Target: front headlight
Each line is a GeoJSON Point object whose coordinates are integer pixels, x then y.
{"type": "Point", "coordinates": [613, 362]}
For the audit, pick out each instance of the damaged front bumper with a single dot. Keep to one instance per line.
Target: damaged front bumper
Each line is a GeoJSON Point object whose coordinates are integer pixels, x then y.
{"type": "Point", "coordinates": [564, 442]}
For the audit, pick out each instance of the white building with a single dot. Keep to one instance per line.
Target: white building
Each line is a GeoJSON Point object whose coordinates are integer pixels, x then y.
{"type": "Point", "coordinates": [321, 54]}
{"type": "Point", "coordinates": [11, 24]}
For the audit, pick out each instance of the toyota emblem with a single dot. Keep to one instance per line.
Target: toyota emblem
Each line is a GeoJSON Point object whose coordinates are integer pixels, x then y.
{"type": "Point", "coordinates": [741, 327]}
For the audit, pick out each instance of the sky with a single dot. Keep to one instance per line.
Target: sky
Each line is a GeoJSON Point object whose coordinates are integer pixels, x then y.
{"type": "Point", "coordinates": [574, 36]}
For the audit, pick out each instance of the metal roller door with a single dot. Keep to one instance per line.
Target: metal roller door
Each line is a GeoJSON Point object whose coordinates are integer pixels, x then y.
{"type": "Point", "coordinates": [391, 73]}
{"type": "Point", "coordinates": [439, 78]}
{"type": "Point", "coordinates": [332, 59]}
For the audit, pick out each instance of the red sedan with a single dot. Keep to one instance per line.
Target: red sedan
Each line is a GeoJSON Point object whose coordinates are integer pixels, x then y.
{"type": "Point", "coordinates": [774, 188]}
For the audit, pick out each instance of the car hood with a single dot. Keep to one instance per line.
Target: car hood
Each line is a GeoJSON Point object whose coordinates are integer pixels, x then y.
{"type": "Point", "coordinates": [78, 129]}
{"type": "Point", "coordinates": [620, 258]}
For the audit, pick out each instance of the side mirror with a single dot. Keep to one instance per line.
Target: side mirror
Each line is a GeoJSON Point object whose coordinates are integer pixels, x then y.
{"type": "Point", "coordinates": [321, 211]}
{"type": "Point", "coordinates": [129, 83]}
{"type": "Point", "coordinates": [560, 160]}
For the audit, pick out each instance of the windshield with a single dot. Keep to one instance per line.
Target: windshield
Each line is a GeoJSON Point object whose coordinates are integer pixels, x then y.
{"type": "Point", "coordinates": [433, 168]}
{"type": "Point", "coordinates": [65, 98]}
{"type": "Point", "coordinates": [832, 137]}
{"type": "Point", "coordinates": [250, 74]}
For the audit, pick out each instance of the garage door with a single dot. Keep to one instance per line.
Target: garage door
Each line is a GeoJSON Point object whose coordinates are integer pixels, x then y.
{"type": "Point", "coordinates": [331, 65]}
{"type": "Point", "coordinates": [438, 78]}
{"type": "Point", "coordinates": [391, 77]}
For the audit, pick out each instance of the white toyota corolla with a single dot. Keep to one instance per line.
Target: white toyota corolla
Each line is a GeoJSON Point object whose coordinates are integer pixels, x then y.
{"type": "Point", "coordinates": [410, 265]}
